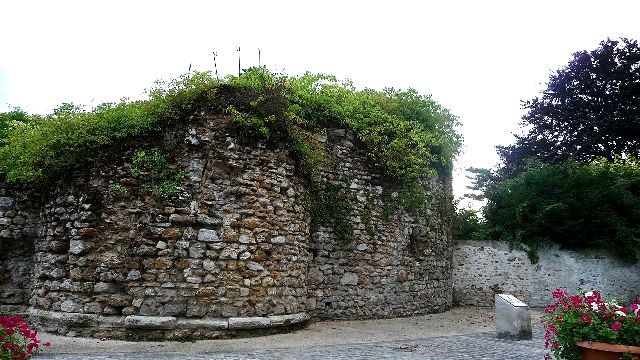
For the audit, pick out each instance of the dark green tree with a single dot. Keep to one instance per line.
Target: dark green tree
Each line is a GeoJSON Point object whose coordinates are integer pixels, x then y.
{"type": "Point", "coordinates": [574, 205]}
{"type": "Point", "coordinates": [590, 110]}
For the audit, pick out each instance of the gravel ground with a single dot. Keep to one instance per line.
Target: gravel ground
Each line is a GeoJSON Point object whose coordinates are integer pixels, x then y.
{"type": "Point", "coordinates": [386, 338]}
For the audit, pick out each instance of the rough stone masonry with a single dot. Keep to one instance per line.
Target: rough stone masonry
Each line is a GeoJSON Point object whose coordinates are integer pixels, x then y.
{"type": "Point", "coordinates": [231, 252]}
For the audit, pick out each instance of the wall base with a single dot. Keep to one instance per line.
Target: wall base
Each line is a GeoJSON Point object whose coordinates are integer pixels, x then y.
{"type": "Point", "coordinates": [141, 328]}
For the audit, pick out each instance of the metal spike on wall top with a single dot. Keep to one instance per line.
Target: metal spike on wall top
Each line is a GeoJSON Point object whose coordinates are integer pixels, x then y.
{"type": "Point", "coordinates": [238, 61]}
{"type": "Point", "coordinates": [215, 64]}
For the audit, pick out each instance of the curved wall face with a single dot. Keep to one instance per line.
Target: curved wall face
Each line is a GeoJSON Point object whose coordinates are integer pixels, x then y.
{"type": "Point", "coordinates": [19, 226]}
{"type": "Point", "coordinates": [230, 252]}
{"type": "Point", "coordinates": [232, 244]}
{"type": "Point", "coordinates": [396, 264]}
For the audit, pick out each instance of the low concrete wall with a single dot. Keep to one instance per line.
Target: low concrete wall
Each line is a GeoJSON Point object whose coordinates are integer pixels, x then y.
{"type": "Point", "coordinates": [485, 268]}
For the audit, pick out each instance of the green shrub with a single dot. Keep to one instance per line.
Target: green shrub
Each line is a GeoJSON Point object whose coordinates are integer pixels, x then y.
{"type": "Point", "coordinates": [10, 119]}
{"type": "Point", "coordinates": [407, 135]}
{"type": "Point", "coordinates": [329, 205]}
{"type": "Point", "coordinates": [151, 170]}
{"type": "Point", "coordinates": [576, 206]}
{"type": "Point", "coordinates": [46, 147]}
{"type": "Point", "coordinates": [181, 98]}
{"type": "Point", "coordinates": [467, 225]}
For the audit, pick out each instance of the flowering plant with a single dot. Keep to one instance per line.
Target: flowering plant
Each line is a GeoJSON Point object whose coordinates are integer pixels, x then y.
{"type": "Point", "coordinates": [586, 317]}
{"type": "Point", "coordinates": [17, 341]}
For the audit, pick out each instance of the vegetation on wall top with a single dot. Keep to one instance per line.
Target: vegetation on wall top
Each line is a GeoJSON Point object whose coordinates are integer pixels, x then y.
{"type": "Point", "coordinates": [406, 135]}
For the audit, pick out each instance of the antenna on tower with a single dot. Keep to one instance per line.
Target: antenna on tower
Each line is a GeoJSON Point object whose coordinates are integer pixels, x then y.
{"type": "Point", "coordinates": [259, 62]}
{"type": "Point", "coordinates": [215, 64]}
{"type": "Point", "coordinates": [238, 61]}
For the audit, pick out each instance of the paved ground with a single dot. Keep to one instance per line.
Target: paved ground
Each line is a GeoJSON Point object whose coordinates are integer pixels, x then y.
{"type": "Point", "coordinates": [462, 333]}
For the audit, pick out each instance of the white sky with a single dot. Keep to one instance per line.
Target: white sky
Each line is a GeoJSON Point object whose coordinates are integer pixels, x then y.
{"type": "Point", "coordinates": [477, 58]}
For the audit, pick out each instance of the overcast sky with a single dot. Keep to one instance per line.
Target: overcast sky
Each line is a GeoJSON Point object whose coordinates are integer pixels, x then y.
{"type": "Point", "coordinates": [477, 58]}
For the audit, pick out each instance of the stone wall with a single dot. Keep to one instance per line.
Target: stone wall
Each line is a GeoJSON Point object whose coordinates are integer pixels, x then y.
{"type": "Point", "coordinates": [230, 252]}
{"type": "Point", "coordinates": [231, 245]}
{"type": "Point", "coordinates": [394, 266]}
{"type": "Point", "coordinates": [484, 268]}
{"type": "Point", "coordinates": [20, 225]}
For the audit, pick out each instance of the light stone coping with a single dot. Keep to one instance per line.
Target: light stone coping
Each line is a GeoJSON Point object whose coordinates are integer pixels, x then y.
{"type": "Point", "coordinates": [208, 323]}
{"type": "Point", "coordinates": [280, 320]}
{"type": "Point", "coordinates": [166, 322]}
{"type": "Point", "coordinates": [249, 322]}
{"type": "Point", "coordinates": [150, 322]}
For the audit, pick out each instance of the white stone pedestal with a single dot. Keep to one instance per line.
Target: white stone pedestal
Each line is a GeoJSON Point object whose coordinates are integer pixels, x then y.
{"type": "Point", "coordinates": [512, 318]}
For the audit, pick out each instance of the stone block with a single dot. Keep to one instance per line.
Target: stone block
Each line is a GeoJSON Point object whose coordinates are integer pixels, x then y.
{"type": "Point", "coordinates": [249, 322]}
{"type": "Point", "coordinates": [207, 323]}
{"type": "Point", "coordinates": [290, 319]}
{"type": "Point", "coordinates": [251, 265]}
{"type": "Point", "coordinates": [104, 287]}
{"type": "Point", "coordinates": [512, 318]}
{"type": "Point", "coordinates": [349, 279]}
{"type": "Point", "coordinates": [32, 232]}
{"type": "Point", "coordinates": [182, 219]}
{"type": "Point", "coordinates": [150, 322]}
{"type": "Point", "coordinates": [6, 202]}
{"type": "Point", "coordinates": [70, 306]}
{"type": "Point", "coordinates": [208, 235]}
{"type": "Point", "coordinates": [78, 247]}
{"type": "Point", "coordinates": [207, 220]}
{"type": "Point", "coordinates": [278, 240]}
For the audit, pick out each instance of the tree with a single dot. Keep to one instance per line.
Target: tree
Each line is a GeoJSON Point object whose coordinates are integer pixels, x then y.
{"type": "Point", "coordinates": [590, 110]}
{"type": "Point", "coordinates": [577, 206]}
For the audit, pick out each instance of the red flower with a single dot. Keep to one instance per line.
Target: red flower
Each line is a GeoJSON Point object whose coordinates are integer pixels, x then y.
{"type": "Point", "coordinates": [616, 326]}
{"type": "Point", "coordinates": [585, 319]}
{"type": "Point", "coordinates": [576, 300]}
{"type": "Point", "coordinates": [16, 339]}
{"type": "Point", "coordinates": [558, 293]}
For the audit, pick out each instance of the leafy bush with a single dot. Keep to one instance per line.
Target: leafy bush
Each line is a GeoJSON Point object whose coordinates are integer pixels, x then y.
{"type": "Point", "coordinates": [467, 225]}
{"type": "Point", "coordinates": [328, 205]}
{"type": "Point", "coordinates": [10, 119]}
{"type": "Point", "coordinates": [17, 341]}
{"type": "Point", "coordinates": [586, 317]}
{"type": "Point", "coordinates": [151, 170]}
{"type": "Point", "coordinates": [46, 147]}
{"type": "Point", "coordinates": [576, 206]}
{"type": "Point", "coordinates": [407, 135]}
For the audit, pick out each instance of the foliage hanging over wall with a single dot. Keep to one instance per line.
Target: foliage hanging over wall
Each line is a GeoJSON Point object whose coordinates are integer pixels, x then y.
{"type": "Point", "coordinates": [576, 206]}
{"type": "Point", "coordinates": [406, 135]}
